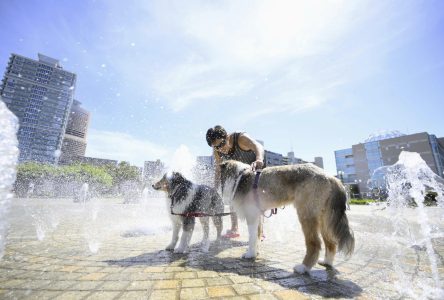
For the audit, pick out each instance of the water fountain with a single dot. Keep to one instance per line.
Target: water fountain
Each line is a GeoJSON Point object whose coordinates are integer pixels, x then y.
{"type": "Point", "coordinates": [408, 182]}
{"type": "Point", "coordinates": [8, 160]}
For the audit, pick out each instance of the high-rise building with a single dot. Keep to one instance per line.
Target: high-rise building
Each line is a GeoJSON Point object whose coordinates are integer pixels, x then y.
{"type": "Point", "coordinates": [357, 165]}
{"type": "Point", "coordinates": [74, 141]}
{"type": "Point", "coordinates": [40, 93]}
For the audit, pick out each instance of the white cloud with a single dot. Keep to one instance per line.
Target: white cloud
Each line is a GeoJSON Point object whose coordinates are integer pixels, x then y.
{"type": "Point", "coordinates": [189, 53]}
{"type": "Point", "coordinates": [303, 47]}
{"type": "Point", "coordinates": [124, 147]}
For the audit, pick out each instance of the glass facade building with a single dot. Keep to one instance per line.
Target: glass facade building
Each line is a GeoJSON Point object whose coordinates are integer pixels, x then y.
{"type": "Point", "coordinates": [40, 93]}
{"type": "Point", "coordinates": [345, 165]}
{"type": "Point", "coordinates": [365, 164]}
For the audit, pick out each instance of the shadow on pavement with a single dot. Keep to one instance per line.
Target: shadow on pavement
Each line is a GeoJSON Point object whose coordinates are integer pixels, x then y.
{"type": "Point", "coordinates": [320, 282]}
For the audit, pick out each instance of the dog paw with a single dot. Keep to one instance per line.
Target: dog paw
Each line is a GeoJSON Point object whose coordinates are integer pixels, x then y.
{"type": "Point", "coordinates": [204, 247]}
{"type": "Point", "coordinates": [301, 269]}
{"type": "Point", "coordinates": [248, 255]}
{"type": "Point", "coordinates": [181, 250]}
{"type": "Point", "coordinates": [170, 248]}
{"type": "Point", "coordinates": [326, 264]}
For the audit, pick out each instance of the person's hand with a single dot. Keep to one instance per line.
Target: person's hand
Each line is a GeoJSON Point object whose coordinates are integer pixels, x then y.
{"type": "Point", "coordinates": [257, 165]}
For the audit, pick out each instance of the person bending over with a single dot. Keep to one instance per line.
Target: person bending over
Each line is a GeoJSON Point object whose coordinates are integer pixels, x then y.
{"type": "Point", "coordinates": [236, 146]}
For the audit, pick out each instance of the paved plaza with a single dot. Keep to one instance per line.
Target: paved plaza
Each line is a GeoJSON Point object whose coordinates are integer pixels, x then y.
{"type": "Point", "coordinates": [57, 249]}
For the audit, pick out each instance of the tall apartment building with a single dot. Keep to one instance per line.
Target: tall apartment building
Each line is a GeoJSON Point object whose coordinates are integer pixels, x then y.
{"type": "Point", "coordinates": [356, 165]}
{"type": "Point", "coordinates": [74, 141]}
{"type": "Point", "coordinates": [40, 93]}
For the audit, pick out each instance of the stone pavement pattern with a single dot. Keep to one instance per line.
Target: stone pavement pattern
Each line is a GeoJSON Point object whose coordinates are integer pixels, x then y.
{"type": "Point", "coordinates": [127, 262]}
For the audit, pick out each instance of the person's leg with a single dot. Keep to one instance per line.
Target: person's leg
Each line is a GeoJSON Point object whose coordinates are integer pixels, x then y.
{"type": "Point", "coordinates": [234, 222]}
{"type": "Point", "coordinates": [233, 231]}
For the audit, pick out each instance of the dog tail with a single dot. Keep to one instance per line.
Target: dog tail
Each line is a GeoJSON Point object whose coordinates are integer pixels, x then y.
{"type": "Point", "coordinates": [337, 219]}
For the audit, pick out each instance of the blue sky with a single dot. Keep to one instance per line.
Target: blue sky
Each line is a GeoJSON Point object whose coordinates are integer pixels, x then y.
{"type": "Point", "coordinates": [307, 76]}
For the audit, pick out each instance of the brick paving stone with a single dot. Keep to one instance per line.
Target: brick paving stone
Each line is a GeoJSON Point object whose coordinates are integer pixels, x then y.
{"type": "Point", "coordinates": [159, 276]}
{"type": "Point", "coordinates": [85, 285]}
{"type": "Point", "coordinates": [193, 293]}
{"type": "Point", "coordinates": [193, 283]}
{"type": "Point", "coordinates": [61, 285]}
{"type": "Point", "coordinates": [240, 279]}
{"type": "Point", "coordinates": [93, 276]}
{"type": "Point", "coordinates": [62, 267]}
{"type": "Point", "coordinates": [163, 295]}
{"type": "Point", "coordinates": [185, 275]}
{"type": "Point", "coordinates": [154, 270]}
{"type": "Point", "coordinates": [72, 295]}
{"type": "Point", "coordinates": [220, 291]}
{"type": "Point", "coordinates": [102, 295]}
{"type": "Point", "coordinates": [290, 295]}
{"type": "Point", "coordinates": [167, 284]}
{"type": "Point", "coordinates": [42, 295]}
{"type": "Point", "coordinates": [13, 283]}
{"type": "Point", "coordinates": [115, 285]}
{"type": "Point", "coordinates": [218, 281]}
{"type": "Point", "coordinates": [206, 274]}
{"type": "Point", "coordinates": [70, 269]}
{"type": "Point", "coordinates": [134, 295]}
{"type": "Point", "coordinates": [140, 285]}
{"type": "Point", "coordinates": [35, 284]}
{"type": "Point", "coordinates": [246, 288]}
{"type": "Point", "coordinates": [262, 297]}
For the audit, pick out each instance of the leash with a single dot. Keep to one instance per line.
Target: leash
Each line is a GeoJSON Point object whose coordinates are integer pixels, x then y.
{"type": "Point", "coordinates": [273, 211]}
{"type": "Point", "coordinates": [196, 214]}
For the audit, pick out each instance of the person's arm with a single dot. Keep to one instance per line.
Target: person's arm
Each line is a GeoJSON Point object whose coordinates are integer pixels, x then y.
{"type": "Point", "coordinates": [246, 143]}
{"type": "Point", "coordinates": [217, 162]}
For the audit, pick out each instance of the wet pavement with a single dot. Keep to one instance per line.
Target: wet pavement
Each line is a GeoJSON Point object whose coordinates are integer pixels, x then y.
{"type": "Point", "coordinates": [61, 250]}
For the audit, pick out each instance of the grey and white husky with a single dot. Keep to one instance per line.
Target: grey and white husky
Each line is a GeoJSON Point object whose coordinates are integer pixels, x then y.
{"type": "Point", "coordinates": [186, 201]}
{"type": "Point", "coordinates": [320, 201]}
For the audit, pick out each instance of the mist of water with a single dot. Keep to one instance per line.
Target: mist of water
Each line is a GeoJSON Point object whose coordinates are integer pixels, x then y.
{"type": "Point", "coordinates": [183, 161]}
{"type": "Point", "coordinates": [408, 182]}
{"type": "Point", "coordinates": [8, 160]}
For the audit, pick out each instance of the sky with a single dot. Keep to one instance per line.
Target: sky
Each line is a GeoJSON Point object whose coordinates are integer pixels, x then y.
{"type": "Point", "coordinates": [305, 76]}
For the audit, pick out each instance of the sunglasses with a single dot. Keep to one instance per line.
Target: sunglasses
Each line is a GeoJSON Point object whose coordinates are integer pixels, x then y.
{"type": "Point", "coordinates": [221, 144]}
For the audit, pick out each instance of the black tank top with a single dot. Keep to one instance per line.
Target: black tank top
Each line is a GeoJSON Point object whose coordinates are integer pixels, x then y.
{"type": "Point", "coordinates": [236, 153]}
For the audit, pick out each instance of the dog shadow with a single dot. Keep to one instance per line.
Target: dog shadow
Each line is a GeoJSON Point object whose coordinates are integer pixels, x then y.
{"type": "Point", "coordinates": [319, 282]}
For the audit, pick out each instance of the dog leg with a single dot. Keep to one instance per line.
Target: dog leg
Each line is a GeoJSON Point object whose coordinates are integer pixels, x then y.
{"type": "Point", "coordinates": [188, 227]}
{"type": "Point", "coordinates": [330, 251]}
{"type": "Point", "coordinates": [253, 223]}
{"type": "Point", "coordinates": [217, 221]}
{"type": "Point", "coordinates": [205, 244]}
{"type": "Point", "coordinates": [176, 229]}
{"type": "Point", "coordinates": [312, 242]}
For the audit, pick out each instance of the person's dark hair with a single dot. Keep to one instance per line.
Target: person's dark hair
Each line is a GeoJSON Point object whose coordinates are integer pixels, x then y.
{"type": "Point", "coordinates": [215, 133]}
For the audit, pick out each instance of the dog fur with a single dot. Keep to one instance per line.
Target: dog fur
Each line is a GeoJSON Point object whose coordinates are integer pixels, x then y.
{"type": "Point", "coordinates": [187, 197]}
{"type": "Point", "coordinates": [320, 201]}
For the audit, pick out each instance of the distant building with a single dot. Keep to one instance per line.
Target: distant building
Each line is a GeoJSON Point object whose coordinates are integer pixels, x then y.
{"type": "Point", "coordinates": [40, 93]}
{"type": "Point", "coordinates": [74, 141]}
{"type": "Point", "coordinates": [292, 160]}
{"type": "Point", "coordinates": [358, 163]}
{"type": "Point", "coordinates": [153, 170]}
{"type": "Point", "coordinates": [273, 159]}
{"type": "Point", "coordinates": [319, 161]}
